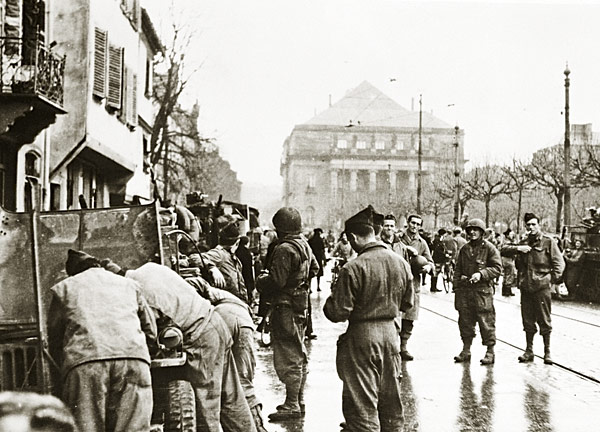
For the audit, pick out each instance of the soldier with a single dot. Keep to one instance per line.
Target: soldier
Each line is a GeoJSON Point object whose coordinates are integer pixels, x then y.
{"type": "Point", "coordinates": [370, 292]}
{"type": "Point", "coordinates": [96, 326]}
{"type": "Point", "coordinates": [477, 266]}
{"type": "Point", "coordinates": [210, 367]}
{"type": "Point", "coordinates": [224, 258]}
{"type": "Point", "coordinates": [286, 281]}
{"type": "Point", "coordinates": [539, 264]}
{"type": "Point", "coordinates": [416, 246]}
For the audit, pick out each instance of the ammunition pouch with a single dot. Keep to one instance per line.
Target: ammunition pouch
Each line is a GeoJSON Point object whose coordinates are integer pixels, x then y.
{"type": "Point", "coordinates": [299, 299]}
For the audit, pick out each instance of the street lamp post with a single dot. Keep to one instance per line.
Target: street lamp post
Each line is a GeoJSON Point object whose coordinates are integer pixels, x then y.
{"type": "Point", "coordinates": [420, 157]}
{"type": "Point", "coordinates": [456, 178]}
{"type": "Point", "coordinates": [567, 153]}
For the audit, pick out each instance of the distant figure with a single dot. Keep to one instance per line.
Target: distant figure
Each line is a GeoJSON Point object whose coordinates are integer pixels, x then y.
{"type": "Point", "coordinates": [574, 266]}
{"type": "Point", "coordinates": [509, 276]}
{"type": "Point", "coordinates": [317, 245]}
{"type": "Point", "coordinates": [458, 237]}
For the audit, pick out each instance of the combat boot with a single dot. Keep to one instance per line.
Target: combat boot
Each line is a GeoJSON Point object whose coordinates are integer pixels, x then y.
{"type": "Point", "coordinates": [290, 409]}
{"type": "Point", "coordinates": [465, 354]}
{"type": "Point", "coordinates": [257, 416]}
{"type": "Point", "coordinates": [547, 358]}
{"type": "Point", "coordinates": [527, 356]}
{"type": "Point", "coordinates": [404, 354]}
{"type": "Point", "coordinates": [488, 359]}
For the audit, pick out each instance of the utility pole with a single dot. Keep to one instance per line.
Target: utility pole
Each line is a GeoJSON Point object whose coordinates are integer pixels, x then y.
{"type": "Point", "coordinates": [390, 184]}
{"type": "Point", "coordinates": [419, 157]}
{"type": "Point", "coordinates": [456, 179]}
{"type": "Point", "coordinates": [567, 155]}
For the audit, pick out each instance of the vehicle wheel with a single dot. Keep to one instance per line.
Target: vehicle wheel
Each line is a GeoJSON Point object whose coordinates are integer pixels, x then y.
{"type": "Point", "coordinates": [447, 280]}
{"type": "Point", "coordinates": [181, 411]}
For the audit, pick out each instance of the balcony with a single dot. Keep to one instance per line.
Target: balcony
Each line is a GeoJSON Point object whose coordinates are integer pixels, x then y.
{"type": "Point", "coordinates": [31, 88]}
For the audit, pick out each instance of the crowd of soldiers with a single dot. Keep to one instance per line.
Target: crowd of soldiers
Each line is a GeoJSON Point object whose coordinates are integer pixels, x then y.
{"type": "Point", "coordinates": [104, 320]}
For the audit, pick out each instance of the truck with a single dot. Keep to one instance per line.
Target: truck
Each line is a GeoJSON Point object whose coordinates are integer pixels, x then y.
{"type": "Point", "coordinates": [587, 231]}
{"type": "Point", "coordinates": [33, 251]}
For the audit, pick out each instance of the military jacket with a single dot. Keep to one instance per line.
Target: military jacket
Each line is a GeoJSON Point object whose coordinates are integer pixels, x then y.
{"type": "Point", "coordinates": [539, 268]}
{"type": "Point", "coordinates": [374, 286]}
{"type": "Point", "coordinates": [231, 267]}
{"type": "Point", "coordinates": [480, 256]}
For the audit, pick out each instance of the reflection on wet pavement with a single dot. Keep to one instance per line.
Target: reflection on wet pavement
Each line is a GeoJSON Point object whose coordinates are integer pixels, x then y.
{"type": "Point", "coordinates": [438, 394]}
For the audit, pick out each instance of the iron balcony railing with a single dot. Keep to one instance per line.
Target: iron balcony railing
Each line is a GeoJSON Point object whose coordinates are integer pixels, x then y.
{"type": "Point", "coordinates": [28, 67]}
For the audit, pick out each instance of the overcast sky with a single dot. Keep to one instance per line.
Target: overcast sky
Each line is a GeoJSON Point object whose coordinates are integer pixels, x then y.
{"type": "Point", "coordinates": [270, 65]}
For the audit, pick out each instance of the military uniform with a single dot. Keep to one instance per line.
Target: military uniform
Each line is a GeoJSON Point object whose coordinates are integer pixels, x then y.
{"type": "Point", "coordinates": [536, 271]}
{"type": "Point", "coordinates": [370, 293]}
{"type": "Point", "coordinates": [408, 317]}
{"type": "Point", "coordinates": [475, 301]}
{"type": "Point", "coordinates": [95, 325]}
{"type": "Point", "coordinates": [231, 267]}
{"type": "Point", "coordinates": [210, 367]}
{"type": "Point", "coordinates": [292, 264]}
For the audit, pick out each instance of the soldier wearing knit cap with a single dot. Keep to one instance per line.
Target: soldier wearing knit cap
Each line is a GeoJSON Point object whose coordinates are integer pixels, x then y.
{"type": "Point", "coordinates": [96, 327]}
{"type": "Point", "coordinates": [370, 293]}
{"type": "Point", "coordinates": [539, 264]}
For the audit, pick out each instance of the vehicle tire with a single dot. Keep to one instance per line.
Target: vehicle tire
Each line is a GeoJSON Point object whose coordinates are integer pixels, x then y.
{"type": "Point", "coordinates": [181, 411]}
{"type": "Point", "coordinates": [447, 278]}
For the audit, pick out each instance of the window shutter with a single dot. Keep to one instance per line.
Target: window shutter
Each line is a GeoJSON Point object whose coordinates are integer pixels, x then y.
{"type": "Point", "coordinates": [115, 76]}
{"type": "Point", "coordinates": [99, 84]}
{"type": "Point", "coordinates": [134, 114]}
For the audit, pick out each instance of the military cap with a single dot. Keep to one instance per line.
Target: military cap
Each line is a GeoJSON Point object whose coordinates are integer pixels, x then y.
{"type": "Point", "coordinates": [363, 217]}
{"type": "Point", "coordinates": [228, 230]}
{"type": "Point", "coordinates": [78, 261]}
{"type": "Point", "coordinates": [390, 217]}
{"type": "Point", "coordinates": [529, 216]}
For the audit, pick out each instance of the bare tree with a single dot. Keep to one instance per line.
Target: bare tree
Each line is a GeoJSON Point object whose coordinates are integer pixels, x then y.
{"type": "Point", "coordinates": [484, 183]}
{"type": "Point", "coordinates": [520, 180]}
{"type": "Point", "coordinates": [168, 87]}
{"type": "Point", "coordinates": [547, 170]}
{"type": "Point", "coordinates": [446, 187]}
{"type": "Point", "coordinates": [586, 165]}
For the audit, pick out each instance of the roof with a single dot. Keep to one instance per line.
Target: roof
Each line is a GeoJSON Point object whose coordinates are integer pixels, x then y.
{"type": "Point", "coordinates": [365, 105]}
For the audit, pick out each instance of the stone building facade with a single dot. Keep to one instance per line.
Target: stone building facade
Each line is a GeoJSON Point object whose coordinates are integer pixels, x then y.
{"type": "Point", "coordinates": [364, 150]}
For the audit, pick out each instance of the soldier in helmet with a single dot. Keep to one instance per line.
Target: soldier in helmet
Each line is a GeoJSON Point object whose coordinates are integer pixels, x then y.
{"type": "Point", "coordinates": [539, 263]}
{"type": "Point", "coordinates": [477, 266]}
{"type": "Point", "coordinates": [286, 281]}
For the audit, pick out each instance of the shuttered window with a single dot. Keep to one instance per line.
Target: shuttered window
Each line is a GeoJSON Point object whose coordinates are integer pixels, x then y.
{"type": "Point", "coordinates": [128, 114]}
{"type": "Point", "coordinates": [100, 47]}
{"type": "Point", "coordinates": [115, 76]}
{"type": "Point", "coordinates": [132, 10]}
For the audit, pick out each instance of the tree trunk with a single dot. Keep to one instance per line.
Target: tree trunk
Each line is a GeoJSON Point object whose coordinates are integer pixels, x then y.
{"type": "Point", "coordinates": [520, 203]}
{"type": "Point", "coordinates": [559, 210]}
{"type": "Point", "coordinates": [487, 213]}
{"type": "Point", "coordinates": [166, 171]}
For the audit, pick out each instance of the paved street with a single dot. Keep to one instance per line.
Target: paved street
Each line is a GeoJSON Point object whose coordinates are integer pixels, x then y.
{"type": "Point", "coordinates": [440, 395]}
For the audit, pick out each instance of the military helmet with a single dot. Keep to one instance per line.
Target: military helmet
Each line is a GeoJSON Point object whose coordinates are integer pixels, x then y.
{"type": "Point", "coordinates": [476, 223]}
{"type": "Point", "coordinates": [287, 220]}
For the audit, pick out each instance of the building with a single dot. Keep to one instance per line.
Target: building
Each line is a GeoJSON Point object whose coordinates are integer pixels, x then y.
{"type": "Point", "coordinates": [364, 150]}
{"type": "Point", "coordinates": [31, 99]}
{"type": "Point", "coordinates": [97, 157]}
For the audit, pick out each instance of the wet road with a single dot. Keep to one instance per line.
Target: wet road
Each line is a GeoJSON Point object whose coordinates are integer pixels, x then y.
{"type": "Point", "coordinates": [439, 395]}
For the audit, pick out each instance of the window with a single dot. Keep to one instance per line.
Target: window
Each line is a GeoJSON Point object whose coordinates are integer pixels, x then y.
{"type": "Point", "coordinates": [131, 9]}
{"type": "Point", "coordinates": [115, 76]}
{"type": "Point", "coordinates": [342, 144]}
{"type": "Point", "coordinates": [100, 48]}
{"type": "Point", "coordinates": [400, 145]}
{"type": "Point", "coordinates": [128, 113]}
{"type": "Point", "coordinates": [361, 145]}
{"type": "Point", "coordinates": [311, 181]}
{"type": "Point", "coordinates": [148, 79]}
{"type": "Point", "coordinates": [380, 145]}
{"type": "Point", "coordinates": [32, 174]}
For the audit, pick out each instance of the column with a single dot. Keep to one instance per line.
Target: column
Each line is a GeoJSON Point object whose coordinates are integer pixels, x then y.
{"type": "Point", "coordinates": [353, 178]}
{"type": "Point", "coordinates": [334, 182]}
{"type": "Point", "coordinates": [372, 181]}
{"type": "Point", "coordinates": [392, 181]}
